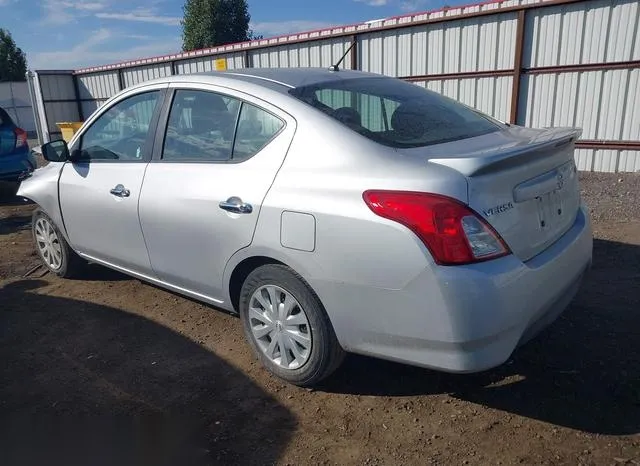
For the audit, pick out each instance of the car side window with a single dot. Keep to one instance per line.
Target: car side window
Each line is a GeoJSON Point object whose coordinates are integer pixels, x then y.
{"type": "Point", "coordinates": [121, 132]}
{"type": "Point", "coordinates": [201, 127]}
{"type": "Point", "coordinates": [256, 128]}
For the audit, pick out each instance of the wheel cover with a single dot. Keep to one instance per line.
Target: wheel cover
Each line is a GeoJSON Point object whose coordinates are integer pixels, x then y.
{"type": "Point", "coordinates": [280, 327]}
{"type": "Point", "coordinates": [48, 243]}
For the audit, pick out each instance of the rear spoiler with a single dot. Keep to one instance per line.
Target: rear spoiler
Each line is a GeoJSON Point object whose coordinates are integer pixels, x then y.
{"type": "Point", "coordinates": [543, 145]}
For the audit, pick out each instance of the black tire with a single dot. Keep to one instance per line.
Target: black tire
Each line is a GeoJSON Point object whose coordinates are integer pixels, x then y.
{"type": "Point", "coordinates": [71, 265]}
{"type": "Point", "coordinates": [326, 354]}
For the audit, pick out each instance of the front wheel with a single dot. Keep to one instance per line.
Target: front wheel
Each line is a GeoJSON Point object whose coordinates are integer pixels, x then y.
{"type": "Point", "coordinates": [287, 326]}
{"type": "Point", "coordinates": [53, 249]}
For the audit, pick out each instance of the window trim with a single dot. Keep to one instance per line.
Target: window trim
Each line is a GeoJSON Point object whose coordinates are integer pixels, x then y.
{"type": "Point", "coordinates": [161, 130]}
{"type": "Point", "coordinates": [76, 143]}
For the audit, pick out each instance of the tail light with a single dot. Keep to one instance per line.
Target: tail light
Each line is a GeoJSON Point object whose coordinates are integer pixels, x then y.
{"type": "Point", "coordinates": [21, 137]}
{"type": "Point", "coordinates": [453, 233]}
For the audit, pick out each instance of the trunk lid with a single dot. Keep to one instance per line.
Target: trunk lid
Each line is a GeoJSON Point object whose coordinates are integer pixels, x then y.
{"type": "Point", "coordinates": [521, 181]}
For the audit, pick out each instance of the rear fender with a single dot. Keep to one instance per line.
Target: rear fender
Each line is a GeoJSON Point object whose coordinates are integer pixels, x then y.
{"type": "Point", "coordinates": [42, 188]}
{"type": "Point", "coordinates": [261, 251]}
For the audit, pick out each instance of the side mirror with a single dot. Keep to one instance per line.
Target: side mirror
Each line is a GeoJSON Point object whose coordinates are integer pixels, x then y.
{"type": "Point", "coordinates": [55, 151]}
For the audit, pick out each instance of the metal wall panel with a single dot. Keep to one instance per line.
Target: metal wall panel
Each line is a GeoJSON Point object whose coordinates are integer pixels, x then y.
{"type": "Point", "coordinates": [236, 61]}
{"type": "Point", "coordinates": [203, 64]}
{"type": "Point", "coordinates": [475, 44]}
{"type": "Point", "coordinates": [491, 95]}
{"type": "Point", "coordinates": [199, 65]}
{"type": "Point", "coordinates": [611, 161]}
{"type": "Point", "coordinates": [584, 159]}
{"type": "Point", "coordinates": [57, 86]}
{"type": "Point", "coordinates": [314, 54]}
{"type": "Point", "coordinates": [629, 161]}
{"type": "Point", "coordinates": [98, 85]}
{"type": "Point", "coordinates": [59, 101]}
{"type": "Point", "coordinates": [587, 32]}
{"type": "Point", "coordinates": [145, 73]}
{"type": "Point", "coordinates": [90, 106]}
{"type": "Point", "coordinates": [59, 112]}
{"type": "Point", "coordinates": [605, 104]}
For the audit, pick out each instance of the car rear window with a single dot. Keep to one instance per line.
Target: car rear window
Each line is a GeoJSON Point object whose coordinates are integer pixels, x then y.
{"type": "Point", "coordinates": [396, 113]}
{"type": "Point", "coordinates": [5, 119]}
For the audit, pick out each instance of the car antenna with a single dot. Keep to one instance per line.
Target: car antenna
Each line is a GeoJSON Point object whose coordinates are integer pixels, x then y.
{"type": "Point", "coordinates": [336, 67]}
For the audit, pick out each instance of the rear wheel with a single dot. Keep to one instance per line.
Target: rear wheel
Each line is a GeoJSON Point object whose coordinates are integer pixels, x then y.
{"type": "Point", "coordinates": [53, 249]}
{"type": "Point", "coordinates": [287, 326]}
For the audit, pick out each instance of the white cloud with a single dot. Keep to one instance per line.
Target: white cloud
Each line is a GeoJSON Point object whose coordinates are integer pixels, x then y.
{"type": "Point", "coordinates": [143, 15]}
{"type": "Point", "coordinates": [413, 5]}
{"type": "Point", "coordinates": [85, 6]}
{"type": "Point", "coordinates": [95, 50]}
{"type": "Point", "coordinates": [60, 12]}
{"type": "Point", "coordinates": [56, 13]}
{"type": "Point", "coordinates": [277, 28]}
{"type": "Point", "coordinates": [138, 36]}
{"type": "Point", "coordinates": [374, 2]}
{"type": "Point", "coordinates": [405, 5]}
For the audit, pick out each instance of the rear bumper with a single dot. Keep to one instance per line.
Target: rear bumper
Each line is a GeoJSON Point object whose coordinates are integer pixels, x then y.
{"type": "Point", "coordinates": [18, 166]}
{"type": "Point", "coordinates": [467, 318]}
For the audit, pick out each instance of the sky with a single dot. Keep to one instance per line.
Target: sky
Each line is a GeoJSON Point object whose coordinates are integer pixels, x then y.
{"type": "Point", "coordinates": [69, 34]}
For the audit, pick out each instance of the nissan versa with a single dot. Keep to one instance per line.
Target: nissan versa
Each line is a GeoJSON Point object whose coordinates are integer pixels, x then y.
{"type": "Point", "coordinates": [335, 211]}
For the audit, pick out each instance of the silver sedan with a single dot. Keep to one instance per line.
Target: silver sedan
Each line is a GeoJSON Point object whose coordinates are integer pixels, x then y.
{"type": "Point", "coordinates": [334, 211]}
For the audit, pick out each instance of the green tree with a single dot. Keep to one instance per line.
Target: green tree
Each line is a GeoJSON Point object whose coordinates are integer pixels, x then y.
{"type": "Point", "coordinates": [13, 62]}
{"type": "Point", "coordinates": [209, 23]}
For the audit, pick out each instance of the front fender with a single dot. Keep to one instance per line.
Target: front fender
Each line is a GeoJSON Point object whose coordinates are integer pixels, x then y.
{"type": "Point", "coordinates": [42, 188]}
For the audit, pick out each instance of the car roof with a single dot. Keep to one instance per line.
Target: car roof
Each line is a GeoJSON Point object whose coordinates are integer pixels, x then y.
{"type": "Point", "coordinates": [279, 79]}
{"type": "Point", "coordinates": [297, 77]}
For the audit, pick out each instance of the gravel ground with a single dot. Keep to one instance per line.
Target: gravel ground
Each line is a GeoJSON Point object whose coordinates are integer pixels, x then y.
{"type": "Point", "coordinates": [109, 370]}
{"type": "Point", "coordinates": [611, 198]}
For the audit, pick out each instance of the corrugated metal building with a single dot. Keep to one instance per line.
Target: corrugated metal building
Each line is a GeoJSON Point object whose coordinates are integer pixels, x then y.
{"type": "Point", "coordinates": [531, 62]}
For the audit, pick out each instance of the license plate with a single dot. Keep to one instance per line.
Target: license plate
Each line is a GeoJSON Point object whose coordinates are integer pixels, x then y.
{"type": "Point", "coordinates": [552, 206]}
{"type": "Point", "coordinates": [550, 210]}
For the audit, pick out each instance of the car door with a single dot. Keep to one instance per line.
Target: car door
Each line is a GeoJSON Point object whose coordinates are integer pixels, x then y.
{"type": "Point", "coordinates": [99, 190]}
{"type": "Point", "coordinates": [216, 156]}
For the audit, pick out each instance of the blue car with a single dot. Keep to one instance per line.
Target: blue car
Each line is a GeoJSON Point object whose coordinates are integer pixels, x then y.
{"type": "Point", "coordinates": [16, 160]}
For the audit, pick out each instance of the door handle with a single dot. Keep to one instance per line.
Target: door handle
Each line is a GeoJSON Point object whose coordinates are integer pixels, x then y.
{"type": "Point", "coordinates": [235, 205]}
{"type": "Point", "coordinates": [120, 191]}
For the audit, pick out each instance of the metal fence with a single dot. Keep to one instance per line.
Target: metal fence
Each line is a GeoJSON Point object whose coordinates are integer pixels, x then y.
{"type": "Point", "coordinates": [531, 62]}
{"type": "Point", "coordinates": [15, 99]}
{"type": "Point", "coordinates": [56, 99]}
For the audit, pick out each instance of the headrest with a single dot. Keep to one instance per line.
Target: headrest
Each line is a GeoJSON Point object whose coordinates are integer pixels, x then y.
{"type": "Point", "coordinates": [409, 120]}
{"type": "Point", "coordinates": [348, 116]}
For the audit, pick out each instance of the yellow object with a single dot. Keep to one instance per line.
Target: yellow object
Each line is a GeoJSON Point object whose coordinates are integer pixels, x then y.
{"type": "Point", "coordinates": [220, 64]}
{"type": "Point", "coordinates": [69, 128]}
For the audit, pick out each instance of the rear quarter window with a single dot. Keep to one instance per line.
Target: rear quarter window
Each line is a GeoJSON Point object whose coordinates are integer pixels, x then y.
{"type": "Point", "coordinates": [395, 113]}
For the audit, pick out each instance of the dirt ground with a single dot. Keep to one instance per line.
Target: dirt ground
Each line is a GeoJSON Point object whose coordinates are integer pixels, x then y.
{"type": "Point", "coordinates": [109, 370]}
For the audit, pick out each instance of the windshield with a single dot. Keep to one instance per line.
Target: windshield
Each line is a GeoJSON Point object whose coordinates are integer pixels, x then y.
{"type": "Point", "coordinates": [396, 113]}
